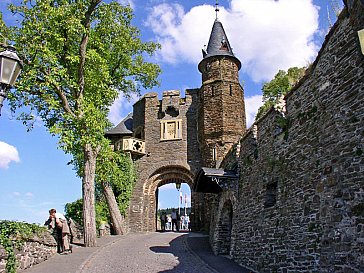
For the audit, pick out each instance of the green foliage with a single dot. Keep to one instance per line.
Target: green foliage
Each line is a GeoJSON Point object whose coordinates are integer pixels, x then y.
{"type": "Point", "coordinates": [168, 211]}
{"type": "Point", "coordinates": [74, 211]}
{"type": "Point", "coordinates": [117, 168]}
{"type": "Point", "coordinates": [102, 213]}
{"type": "Point", "coordinates": [264, 109]}
{"type": "Point", "coordinates": [284, 123]}
{"type": "Point", "coordinates": [78, 56]}
{"type": "Point", "coordinates": [13, 235]}
{"type": "Point", "coordinates": [4, 30]}
{"type": "Point", "coordinates": [309, 114]}
{"type": "Point", "coordinates": [279, 86]}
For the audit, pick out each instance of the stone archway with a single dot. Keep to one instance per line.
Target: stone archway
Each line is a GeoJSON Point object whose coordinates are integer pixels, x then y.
{"type": "Point", "coordinates": [224, 228]}
{"type": "Point", "coordinates": [143, 217]}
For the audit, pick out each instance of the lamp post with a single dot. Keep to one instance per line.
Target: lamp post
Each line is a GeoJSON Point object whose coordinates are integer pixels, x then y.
{"type": "Point", "coordinates": [10, 67]}
{"type": "Point", "coordinates": [178, 187]}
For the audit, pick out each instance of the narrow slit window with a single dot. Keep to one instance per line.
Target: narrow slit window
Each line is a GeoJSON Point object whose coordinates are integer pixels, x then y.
{"type": "Point", "coordinates": [214, 153]}
{"type": "Point", "coordinates": [271, 194]}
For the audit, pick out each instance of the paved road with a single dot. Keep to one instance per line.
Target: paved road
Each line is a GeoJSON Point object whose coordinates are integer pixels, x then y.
{"type": "Point", "coordinates": [154, 252]}
{"type": "Point", "coordinates": [146, 253]}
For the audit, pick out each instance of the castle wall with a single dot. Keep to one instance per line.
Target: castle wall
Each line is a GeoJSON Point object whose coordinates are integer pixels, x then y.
{"type": "Point", "coordinates": [300, 199]}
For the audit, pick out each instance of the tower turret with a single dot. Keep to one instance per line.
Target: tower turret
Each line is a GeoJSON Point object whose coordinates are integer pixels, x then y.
{"type": "Point", "coordinates": [222, 118]}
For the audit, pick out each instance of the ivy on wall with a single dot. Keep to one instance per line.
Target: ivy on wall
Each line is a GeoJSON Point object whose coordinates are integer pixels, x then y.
{"type": "Point", "coordinates": [13, 235]}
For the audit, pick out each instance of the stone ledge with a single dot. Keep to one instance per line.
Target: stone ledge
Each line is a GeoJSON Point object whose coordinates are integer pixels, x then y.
{"type": "Point", "coordinates": [34, 251]}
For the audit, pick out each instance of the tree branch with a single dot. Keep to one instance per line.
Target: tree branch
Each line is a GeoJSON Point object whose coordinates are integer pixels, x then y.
{"type": "Point", "coordinates": [83, 46]}
{"type": "Point", "coordinates": [61, 95]}
{"type": "Point", "coordinates": [64, 100]}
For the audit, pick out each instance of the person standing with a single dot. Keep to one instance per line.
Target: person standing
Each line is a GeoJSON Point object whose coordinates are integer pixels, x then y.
{"type": "Point", "coordinates": [57, 222]}
{"type": "Point", "coordinates": [174, 220]}
{"type": "Point", "coordinates": [163, 218]}
{"type": "Point", "coordinates": [169, 222]}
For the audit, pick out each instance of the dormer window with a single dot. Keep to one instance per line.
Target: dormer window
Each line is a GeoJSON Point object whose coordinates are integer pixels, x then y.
{"type": "Point", "coordinates": [224, 45]}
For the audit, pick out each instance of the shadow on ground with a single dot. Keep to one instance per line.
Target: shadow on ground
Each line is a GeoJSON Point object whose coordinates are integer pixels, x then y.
{"type": "Point", "coordinates": [199, 245]}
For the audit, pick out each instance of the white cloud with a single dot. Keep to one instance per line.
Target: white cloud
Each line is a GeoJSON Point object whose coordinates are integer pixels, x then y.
{"type": "Point", "coordinates": [266, 35]}
{"type": "Point", "coordinates": [127, 2]}
{"type": "Point", "coordinates": [252, 105]}
{"type": "Point", "coordinates": [167, 187]}
{"type": "Point", "coordinates": [8, 153]}
{"type": "Point", "coordinates": [121, 107]}
{"type": "Point", "coordinates": [29, 194]}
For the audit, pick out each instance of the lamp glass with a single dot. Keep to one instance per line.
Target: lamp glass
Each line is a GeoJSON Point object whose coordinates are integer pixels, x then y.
{"type": "Point", "coordinates": [9, 70]}
{"type": "Point", "coordinates": [178, 186]}
{"type": "Point", "coordinates": [361, 40]}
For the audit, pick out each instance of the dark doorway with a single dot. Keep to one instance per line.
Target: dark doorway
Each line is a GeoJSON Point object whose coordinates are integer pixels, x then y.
{"type": "Point", "coordinates": [224, 229]}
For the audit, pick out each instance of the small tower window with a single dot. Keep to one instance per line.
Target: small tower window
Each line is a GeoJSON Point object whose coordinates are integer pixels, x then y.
{"type": "Point", "coordinates": [231, 90]}
{"type": "Point", "coordinates": [214, 153]}
{"type": "Point", "coordinates": [271, 194]}
{"type": "Point", "coordinates": [208, 66]}
{"type": "Point", "coordinates": [212, 91]}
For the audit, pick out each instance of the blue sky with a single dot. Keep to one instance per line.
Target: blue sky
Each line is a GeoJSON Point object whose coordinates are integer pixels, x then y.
{"type": "Point", "coordinates": [266, 36]}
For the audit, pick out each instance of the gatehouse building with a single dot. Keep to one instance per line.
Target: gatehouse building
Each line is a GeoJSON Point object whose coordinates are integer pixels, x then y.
{"type": "Point", "coordinates": [287, 194]}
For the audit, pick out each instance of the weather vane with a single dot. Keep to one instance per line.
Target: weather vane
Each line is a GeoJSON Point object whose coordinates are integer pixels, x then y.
{"type": "Point", "coordinates": [217, 7]}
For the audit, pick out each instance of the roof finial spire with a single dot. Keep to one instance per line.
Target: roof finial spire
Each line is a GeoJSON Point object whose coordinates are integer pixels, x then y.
{"type": "Point", "coordinates": [217, 7]}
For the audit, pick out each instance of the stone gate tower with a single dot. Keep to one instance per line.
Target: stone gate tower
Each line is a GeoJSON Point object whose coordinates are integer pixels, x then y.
{"type": "Point", "coordinates": [221, 113]}
{"type": "Point", "coordinates": [173, 139]}
{"type": "Point", "coordinates": [222, 118]}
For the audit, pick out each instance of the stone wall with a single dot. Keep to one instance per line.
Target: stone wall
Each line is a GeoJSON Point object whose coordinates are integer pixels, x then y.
{"type": "Point", "coordinates": [166, 161]}
{"type": "Point", "coordinates": [34, 251]}
{"type": "Point", "coordinates": [300, 201]}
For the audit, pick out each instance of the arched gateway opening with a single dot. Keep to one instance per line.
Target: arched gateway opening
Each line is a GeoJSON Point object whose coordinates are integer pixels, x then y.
{"type": "Point", "coordinates": [173, 196]}
{"type": "Point", "coordinates": [143, 209]}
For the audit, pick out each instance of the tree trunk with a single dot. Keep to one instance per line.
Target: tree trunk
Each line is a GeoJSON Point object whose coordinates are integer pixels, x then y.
{"type": "Point", "coordinates": [115, 214]}
{"type": "Point", "coordinates": [88, 193]}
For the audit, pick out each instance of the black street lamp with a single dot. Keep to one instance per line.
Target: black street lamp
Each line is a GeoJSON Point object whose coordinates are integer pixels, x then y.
{"type": "Point", "coordinates": [178, 185]}
{"type": "Point", "coordinates": [10, 67]}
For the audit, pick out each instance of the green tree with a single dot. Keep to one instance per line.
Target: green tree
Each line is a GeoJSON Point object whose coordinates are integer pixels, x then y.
{"type": "Point", "coordinates": [74, 210]}
{"type": "Point", "coordinates": [279, 86]}
{"type": "Point", "coordinates": [4, 31]}
{"type": "Point", "coordinates": [78, 56]}
{"type": "Point", "coordinates": [115, 177]}
{"type": "Point", "coordinates": [115, 174]}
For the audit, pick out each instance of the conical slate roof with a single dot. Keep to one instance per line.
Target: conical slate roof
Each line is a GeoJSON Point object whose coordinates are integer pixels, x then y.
{"type": "Point", "coordinates": [218, 42]}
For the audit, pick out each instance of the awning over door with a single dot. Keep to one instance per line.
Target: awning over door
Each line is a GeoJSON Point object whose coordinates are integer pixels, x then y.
{"type": "Point", "coordinates": [211, 180]}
